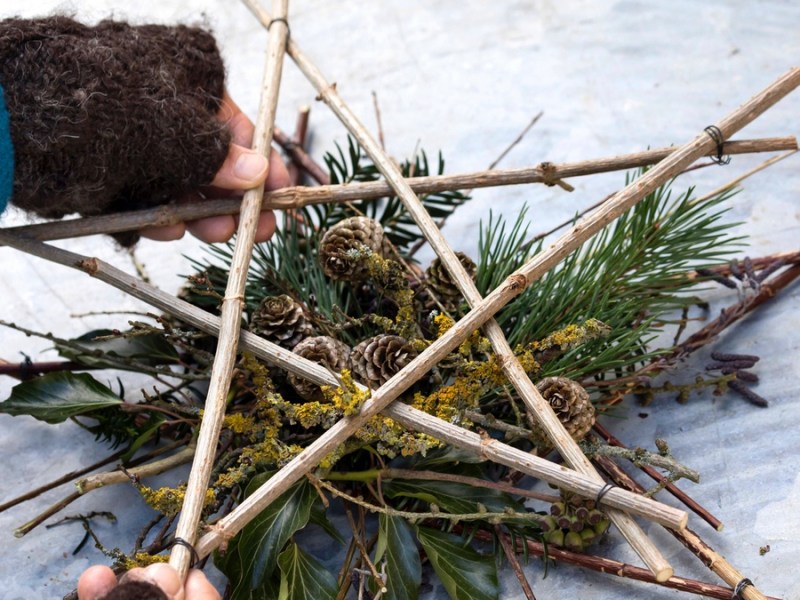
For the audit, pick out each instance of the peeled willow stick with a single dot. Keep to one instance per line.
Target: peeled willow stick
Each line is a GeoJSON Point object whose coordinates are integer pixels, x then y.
{"type": "Point", "coordinates": [232, 304]}
{"type": "Point", "coordinates": [408, 416]}
{"type": "Point", "coordinates": [710, 558]}
{"type": "Point", "coordinates": [298, 197]}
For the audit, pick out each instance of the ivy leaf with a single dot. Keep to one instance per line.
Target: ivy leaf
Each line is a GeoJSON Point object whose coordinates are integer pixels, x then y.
{"type": "Point", "coordinates": [303, 577]}
{"type": "Point", "coordinates": [319, 517]}
{"type": "Point", "coordinates": [150, 349]}
{"type": "Point", "coordinates": [253, 554]}
{"type": "Point", "coordinates": [452, 496]}
{"type": "Point", "coordinates": [56, 397]}
{"type": "Point", "coordinates": [465, 574]}
{"type": "Point", "coordinates": [403, 567]}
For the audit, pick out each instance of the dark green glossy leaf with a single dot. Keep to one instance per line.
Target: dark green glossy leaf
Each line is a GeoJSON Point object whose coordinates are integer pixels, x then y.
{"type": "Point", "coordinates": [403, 567]}
{"type": "Point", "coordinates": [465, 574]}
{"type": "Point", "coordinates": [252, 555]}
{"type": "Point", "coordinates": [146, 349]}
{"type": "Point", "coordinates": [451, 496]}
{"type": "Point", "coordinates": [55, 397]}
{"type": "Point", "coordinates": [303, 577]}
{"type": "Point", "coordinates": [319, 517]}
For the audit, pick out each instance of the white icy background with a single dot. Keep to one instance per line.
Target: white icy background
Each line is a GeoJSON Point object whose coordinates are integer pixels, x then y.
{"type": "Point", "coordinates": [464, 78]}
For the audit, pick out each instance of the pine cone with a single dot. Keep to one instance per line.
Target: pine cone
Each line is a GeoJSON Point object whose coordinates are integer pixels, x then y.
{"type": "Point", "coordinates": [327, 351]}
{"type": "Point", "coordinates": [442, 284]}
{"type": "Point", "coordinates": [571, 404]}
{"type": "Point", "coordinates": [281, 320]}
{"type": "Point", "coordinates": [377, 359]}
{"type": "Point", "coordinates": [341, 245]}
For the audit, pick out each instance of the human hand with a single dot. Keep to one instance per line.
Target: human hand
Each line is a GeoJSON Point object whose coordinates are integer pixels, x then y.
{"type": "Point", "coordinates": [97, 581]}
{"type": "Point", "coordinates": [243, 169]}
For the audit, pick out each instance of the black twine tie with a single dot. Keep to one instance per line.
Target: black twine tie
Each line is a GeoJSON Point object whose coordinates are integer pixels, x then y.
{"type": "Point", "coordinates": [715, 134]}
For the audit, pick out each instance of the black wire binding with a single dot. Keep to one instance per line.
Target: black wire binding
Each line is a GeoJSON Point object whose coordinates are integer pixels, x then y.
{"type": "Point", "coordinates": [715, 134]}
{"type": "Point", "coordinates": [737, 591]}
{"type": "Point", "coordinates": [604, 490]}
{"type": "Point", "coordinates": [281, 20]}
{"type": "Point", "coordinates": [182, 542]}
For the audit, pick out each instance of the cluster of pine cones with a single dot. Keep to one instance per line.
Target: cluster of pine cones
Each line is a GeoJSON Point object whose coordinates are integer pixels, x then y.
{"type": "Point", "coordinates": [344, 253]}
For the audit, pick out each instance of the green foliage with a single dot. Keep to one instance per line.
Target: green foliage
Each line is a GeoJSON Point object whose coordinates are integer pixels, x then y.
{"type": "Point", "coordinates": [55, 397]}
{"type": "Point", "coordinates": [355, 166]}
{"type": "Point", "coordinates": [303, 577]}
{"type": "Point", "coordinates": [465, 574]}
{"type": "Point", "coordinates": [151, 349]}
{"type": "Point", "coordinates": [252, 556]}
{"type": "Point", "coordinates": [452, 496]}
{"type": "Point", "coordinates": [396, 546]}
{"type": "Point", "coordinates": [631, 276]}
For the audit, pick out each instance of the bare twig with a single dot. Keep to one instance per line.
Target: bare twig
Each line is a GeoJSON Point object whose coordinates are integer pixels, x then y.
{"type": "Point", "coordinates": [511, 555]}
{"type": "Point", "coordinates": [714, 561]}
{"type": "Point", "coordinates": [517, 140]}
{"type": "Point", "coordinates": [298, 197]}
{"type": "Point", "coordinates": [299, 140]}
{"type": "Point", "coordinates": [687, 500]}
{"type": "Point", "coordinates": [624, 570]}
{"type": "Point", "coordinates": [60, 481]}
{"type": "Point", "coordinates": [233, 303]}
{"type": "Point", "coordinates": [300, 157]}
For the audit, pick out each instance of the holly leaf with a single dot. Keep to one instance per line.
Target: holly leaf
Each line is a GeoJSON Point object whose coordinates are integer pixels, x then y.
{"type": "Point", "coordinates": [452, 496]}
{"type": "Point", "coordinates": [403, 567]}
{"type": "Point", "coordinates": [252, 555]}
{"type": "Point", "coordinates": [303, 577]}
{"type": "Point", "coordinates": [56, 397]}
{"type": "Point", "coordinates": [465, 574]}
{"type": "Point", "coordinates": [151, 349]}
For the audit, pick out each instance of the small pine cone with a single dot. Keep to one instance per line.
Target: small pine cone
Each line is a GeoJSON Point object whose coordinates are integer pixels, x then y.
{"type": "Point", "coordinates": [376, 360]}
{"type": "Point", "coordinates": [571, 404]}
{"type": "Point", "coordinates": [340, 247]}
{"type": "Point", "coordinates": [441, 282]}
{"type": "Point", "coordinates": [281, 320]}
{"type": "Point", "coordinates": [326, 351]}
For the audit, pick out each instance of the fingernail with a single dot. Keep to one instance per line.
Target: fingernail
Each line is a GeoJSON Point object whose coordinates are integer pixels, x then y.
{"type": "Point", "coordinates": [250, 166]}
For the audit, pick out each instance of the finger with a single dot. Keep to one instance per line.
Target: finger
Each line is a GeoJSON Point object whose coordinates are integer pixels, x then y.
{"type": "Point", "coordinates": [278, 174]}
{"type": "Point", "coordinates": [213, 230]}
{"type": "Point", "coordinates": [198, 587]}
{"type": "Point", "coordinates": [95, 582]}
{"type": "Point", "coordinates": [243, 169]}
{"type": "Point", "coordinates": [240, 126]}
{"type": "Point", "coordinates": [165, 233]}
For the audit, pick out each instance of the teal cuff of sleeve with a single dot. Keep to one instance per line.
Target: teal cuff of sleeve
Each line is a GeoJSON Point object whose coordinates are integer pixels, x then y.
{"type": "Point", "coordinates": [6, 155]}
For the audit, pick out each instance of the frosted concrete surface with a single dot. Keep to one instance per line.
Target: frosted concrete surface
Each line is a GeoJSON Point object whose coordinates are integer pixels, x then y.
{"type": "Point", "coordinates": [464, 78]}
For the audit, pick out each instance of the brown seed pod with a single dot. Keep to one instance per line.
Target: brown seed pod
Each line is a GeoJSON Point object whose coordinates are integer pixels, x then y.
{"type": "Point", "coordinates": [442, 284]}
{"type": "Point", "coordinates": [345, 247]}
{"type": "Point", "coordinates": [376, 360]}
{"type": "Point", "coordinates": [326, 351]}
{"type": "Point", "coordinates": [281, 320]}
{"type": "Point", "coordinates": [571, 404]}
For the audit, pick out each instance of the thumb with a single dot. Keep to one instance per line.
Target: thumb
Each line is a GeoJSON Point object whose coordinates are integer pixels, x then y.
{"type": "Point", "coordinates": [243, 169]}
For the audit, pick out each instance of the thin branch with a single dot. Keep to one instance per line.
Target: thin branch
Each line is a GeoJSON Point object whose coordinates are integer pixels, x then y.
{"type": "Point", "coordinates": [687, 500]}
{"type": "Point", "coordinates": [641, 457]}
{"type": "Point", "coordinates": [300, 157]}
{"type": "Point", "coordinates": [517, 140]}
{"type": "Point", "coordinates": [233, 302]}
{"type": "Point", "coordinates": [298, 197]}
{"type": "Point", "coordinates": [511, 555]}
{"type": "Point", "coordinates": [708, 556]}
{"type": "Point", "coordinates": [66, 478]}
{"type": "Point", "coordinates": [624, 570]}
{"type": "Point", "coordinates": [299, 140]}
{"type": "Point", "coordinates": [374, 474]}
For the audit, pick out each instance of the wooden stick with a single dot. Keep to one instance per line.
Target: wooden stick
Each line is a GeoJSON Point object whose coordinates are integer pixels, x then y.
{"type": "Point", "coordinates": [512, 368]}
{"type": "Point", "coordinates": [687, 500]}
{"type": "Point", "coordinates": [232, 304]}
{"type": "Point", "coordinates": [624, 570]}
{"type": "Point", "coordinates": [298, 197]}
{"type": "Point", "coordinates": [301, 157]}
{"type": "Point", "coordinates": [406, 415]}
{"type": "Point", "coordinates": [714, 561]}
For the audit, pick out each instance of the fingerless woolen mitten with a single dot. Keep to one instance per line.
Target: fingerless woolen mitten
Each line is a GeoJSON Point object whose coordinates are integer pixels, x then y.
{"type": "Point", "coordinates": [110, 117]}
